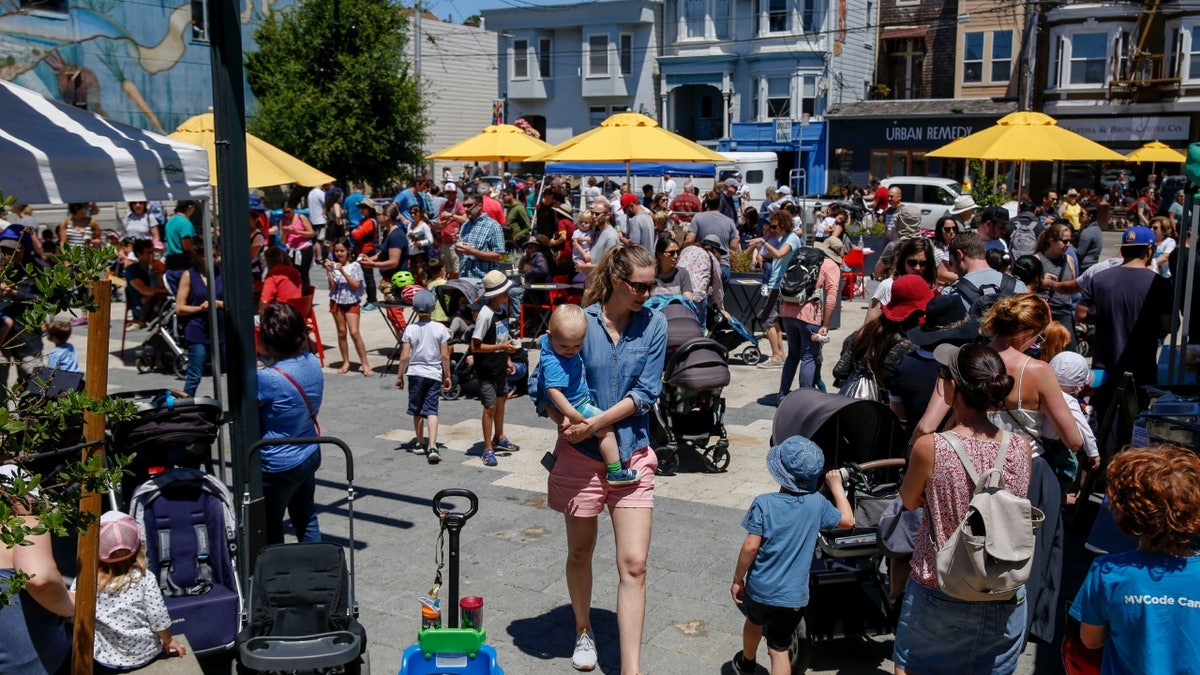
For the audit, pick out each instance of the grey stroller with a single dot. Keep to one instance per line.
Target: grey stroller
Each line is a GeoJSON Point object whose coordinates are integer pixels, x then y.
{"type": "Point", "coordinates": [690, 410]}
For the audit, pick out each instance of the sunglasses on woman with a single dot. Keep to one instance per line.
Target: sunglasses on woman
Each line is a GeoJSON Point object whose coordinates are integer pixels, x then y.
{"type": "Point", "coordinates": [674, 253]}
{"type": "Point", "coordinates": [915, 262]}
{"type": "Point", "coordinates": [639, 286]}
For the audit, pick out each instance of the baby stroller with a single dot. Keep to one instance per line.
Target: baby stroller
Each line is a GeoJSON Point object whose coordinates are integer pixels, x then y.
{"type": "Point", "coordinates": [301, 615]}
{"type": "Point", "coordinates": [165, 348]}
{"type": "Point", "coordinates": [730, 333]}
{"type": "Point", "coordinates": [848, 583]}
{"type": "Point", "coordinates": [690, 409]}
{"type": "Point", "coordinates": [166, 432]}
{"type": "Point", "coordinates": [456, 297]}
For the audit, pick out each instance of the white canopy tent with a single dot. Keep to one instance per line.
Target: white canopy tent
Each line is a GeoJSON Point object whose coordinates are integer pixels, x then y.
{"type": "Point", "coordinates": [54, 153]}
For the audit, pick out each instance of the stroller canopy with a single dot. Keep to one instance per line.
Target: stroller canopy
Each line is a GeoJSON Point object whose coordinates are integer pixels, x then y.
{"type": "Point", "coordinates": [847, 429]}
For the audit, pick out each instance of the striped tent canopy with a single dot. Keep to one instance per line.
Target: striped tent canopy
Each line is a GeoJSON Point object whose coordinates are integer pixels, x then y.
{"type": "Point", "coordinates": [54, 153]}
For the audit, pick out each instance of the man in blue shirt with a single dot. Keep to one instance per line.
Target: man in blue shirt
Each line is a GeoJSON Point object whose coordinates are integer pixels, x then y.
{"type": "Point", "coordinates": [351, 206]}
{"type": "Point", "coordinates": [480, 244]}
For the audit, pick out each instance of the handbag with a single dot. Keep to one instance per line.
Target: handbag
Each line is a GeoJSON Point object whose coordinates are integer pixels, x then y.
{"type": "Point", "coordinates": [311, 413]}
{"type": "Point", "coordinates": [898, 527]}
{"type": "Point", "coordinates": [861, 385]}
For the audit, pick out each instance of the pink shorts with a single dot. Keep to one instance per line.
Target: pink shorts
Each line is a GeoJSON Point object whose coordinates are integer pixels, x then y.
{"type": "Point", "coordinates": [576, 486]}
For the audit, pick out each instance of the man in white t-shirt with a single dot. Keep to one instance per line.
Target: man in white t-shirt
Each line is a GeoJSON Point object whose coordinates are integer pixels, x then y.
{"type": "Point", "coordinates": [316, 216]}
{"type": "Point", "coordinates": [668, 186]}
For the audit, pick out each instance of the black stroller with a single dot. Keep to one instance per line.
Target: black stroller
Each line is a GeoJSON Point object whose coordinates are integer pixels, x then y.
{"type": "Point", "coordinates": [166, 432]}
{"type": "Point", "coordinates": [301, 615]}
{"type": "Point", "coordinates": [456, 297]}
{"type": "Point", "coordinates": [848, 583]}
{"type": "Point", "coordinates": [690, 410]}
{"type": "Point", "coordinates": [164, 349]}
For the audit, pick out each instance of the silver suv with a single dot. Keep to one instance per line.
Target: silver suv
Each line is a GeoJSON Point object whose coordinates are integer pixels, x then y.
{"type": "Point", "coordinates": [934, 196]}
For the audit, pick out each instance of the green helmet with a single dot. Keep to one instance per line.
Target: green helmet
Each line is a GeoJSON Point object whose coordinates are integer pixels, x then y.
{"type": "Point", "coordinates": [401, 279]}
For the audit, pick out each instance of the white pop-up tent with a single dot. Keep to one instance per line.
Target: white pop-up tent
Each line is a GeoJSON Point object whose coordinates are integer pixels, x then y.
{"type": "Point", "coordinates": [54, 153]}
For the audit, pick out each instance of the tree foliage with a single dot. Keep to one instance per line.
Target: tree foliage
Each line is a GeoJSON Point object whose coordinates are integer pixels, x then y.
{"type": "Point", "coordinates": [31, 428]}
{"type": "Point", "coordinates": [988, 190]}
{"type": "Point", "coordinates": [339, 94]}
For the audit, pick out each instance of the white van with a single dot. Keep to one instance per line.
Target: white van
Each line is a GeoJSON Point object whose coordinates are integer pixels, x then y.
{"type": "Point", "coordinates": [757, 170]}
{"type": "Point", "coordinates": [934, 196]}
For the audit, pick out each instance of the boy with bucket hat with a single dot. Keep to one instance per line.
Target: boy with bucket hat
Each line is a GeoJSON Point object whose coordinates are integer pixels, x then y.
{"type": "Point", "coordinates": [492, 346]}
{"type": "Point", "coordinates": [770, 582]}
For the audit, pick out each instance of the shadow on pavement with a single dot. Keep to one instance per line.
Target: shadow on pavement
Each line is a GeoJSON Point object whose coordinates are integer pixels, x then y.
{"type": "Point", "coordinates": [551, 635]}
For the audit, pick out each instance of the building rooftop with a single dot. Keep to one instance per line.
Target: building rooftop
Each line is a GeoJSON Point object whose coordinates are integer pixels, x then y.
{"type": "Point", "coordinates": [940, 107]}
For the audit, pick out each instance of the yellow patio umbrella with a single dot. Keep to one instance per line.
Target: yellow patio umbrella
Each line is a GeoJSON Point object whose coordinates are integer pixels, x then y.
{"type": "Point", "coordinates": [629, 137]}
{"type": "Point", "coordinates": [266, 165]}
{"type": "Point", "coordinates": [496, 143]}
{"type": "Point", "coordinates": [1026, 137]}
{"type": "Point", "coordinates": [1156, 152]}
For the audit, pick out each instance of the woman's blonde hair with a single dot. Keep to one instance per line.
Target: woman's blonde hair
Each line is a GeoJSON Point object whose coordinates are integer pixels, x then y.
{"type": "Point", "coordinates": [1016, 314]}
{"type": "Point", "coordinates": [114, 576]}
{"type": "Point", "coordinates": [1168, 229]}
{"type": "Point", "coordinates": [619, 261]}
{"type": "Point", "coordinates": [1057, 337]}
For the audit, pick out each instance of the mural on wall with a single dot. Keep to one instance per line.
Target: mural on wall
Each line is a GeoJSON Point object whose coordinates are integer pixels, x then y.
{"type": "Point", "coordinates": [145, 64]}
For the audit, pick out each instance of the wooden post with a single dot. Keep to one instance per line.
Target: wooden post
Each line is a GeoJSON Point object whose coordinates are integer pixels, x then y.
{"type": "Point", "coordinates": [96, 373]}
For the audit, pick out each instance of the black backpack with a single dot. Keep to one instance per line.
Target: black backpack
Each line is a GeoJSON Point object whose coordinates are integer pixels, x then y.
{"type": "Point", "coordinates": [981, 299]}
{"type": "Point", "coordinates": [799, 283]}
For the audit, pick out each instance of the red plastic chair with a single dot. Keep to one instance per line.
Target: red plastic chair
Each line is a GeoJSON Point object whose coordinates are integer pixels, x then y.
{"type": "Point", "coordinates": [856, 278]}
{"type": "Point", "coordinates": [554, 298]}
{"type": "Point", "coordinates": [304, 305]}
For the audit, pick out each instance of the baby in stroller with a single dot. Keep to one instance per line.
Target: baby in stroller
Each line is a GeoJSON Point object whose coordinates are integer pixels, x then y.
{"type": "Point", "coordinates": [563, 386]}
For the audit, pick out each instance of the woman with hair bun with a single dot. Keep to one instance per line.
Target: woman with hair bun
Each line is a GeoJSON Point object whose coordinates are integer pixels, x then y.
{"type": "Point", "coordinates": [938, 633]}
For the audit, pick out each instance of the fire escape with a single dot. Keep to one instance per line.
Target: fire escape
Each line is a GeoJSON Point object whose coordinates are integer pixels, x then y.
{"type": "Point", "coordinates": [1141, 71]}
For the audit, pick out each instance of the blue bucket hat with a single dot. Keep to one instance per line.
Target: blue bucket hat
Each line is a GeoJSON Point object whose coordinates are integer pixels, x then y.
{"type": "Point", "coordinates": [797, 464]}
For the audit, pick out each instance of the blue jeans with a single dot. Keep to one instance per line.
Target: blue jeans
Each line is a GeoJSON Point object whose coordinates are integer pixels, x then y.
{"type": "Point", "coordinates": [938, 634]}
{"type": "Point", "coordinates": [35, 641]}
{"type": "Point", "coordinates": [802, 354]}
{"type": "Point", "coordinates": [197, 362]}
{"type": "Point", "coordinates": [293, 491]}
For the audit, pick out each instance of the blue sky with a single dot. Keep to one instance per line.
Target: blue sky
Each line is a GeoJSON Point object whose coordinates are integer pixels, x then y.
{"type": "Point", "coordinates": [461, 9]}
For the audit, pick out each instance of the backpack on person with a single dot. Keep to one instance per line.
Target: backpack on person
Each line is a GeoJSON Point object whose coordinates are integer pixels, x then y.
{"type": "Point", "coordinates": [980, 299]}
{"type": "Point", "coordinates": [1023, 240]}
{"type": "Point", "coordinates": [990, 553]}
{"type": "Point", "coordinates": [799, 282]}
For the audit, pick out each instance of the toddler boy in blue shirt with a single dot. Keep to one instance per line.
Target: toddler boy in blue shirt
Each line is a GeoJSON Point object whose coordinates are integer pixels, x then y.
{"type": "Point", "coordinates": [564, 383]}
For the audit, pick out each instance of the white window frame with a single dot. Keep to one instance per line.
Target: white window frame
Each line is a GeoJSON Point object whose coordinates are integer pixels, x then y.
{"type": "Point", "coordinates": [1189, 50]}
{"type": "Point", "coordinates": [1067, 59]}
{"type": "Point", "coordinates": [789, 20]}
{"type": "Point", "coordinates": [625, 53]}
{"type": "Point", "coordinates": [593, 111]}
{"type": "Point", "coordinates": [545, 54]}
{"type": "Point", "coordinates": [992, 60]}
{"type": "Point", "coordinates": [589, 49]}
{"type": "Point", "coordinates": [723, 25]}
{"type": "Point", "coordinates": [200, 24]}
{"type": "Point", "coordinates": [789, 97]}
{"type": "Point", "coordinates": [981, 61]}
{"type": "Point", "coordinates": [520, 55]}
{"type": "Point", "coordinates": [687, 22]}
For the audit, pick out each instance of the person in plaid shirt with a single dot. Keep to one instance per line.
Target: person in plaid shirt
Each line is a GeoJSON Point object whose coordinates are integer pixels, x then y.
{"type": "Point", "coordinates": [480, 244]}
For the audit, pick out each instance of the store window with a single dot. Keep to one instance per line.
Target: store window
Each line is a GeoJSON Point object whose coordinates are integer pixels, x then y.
{"type": "Point", "coordinates": [520, 60]}
{"type": "Point", "coordinates": [886, 163]}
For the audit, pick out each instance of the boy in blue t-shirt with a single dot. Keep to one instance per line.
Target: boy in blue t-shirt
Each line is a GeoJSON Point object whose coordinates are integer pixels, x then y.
{"type": "Point", "coordinates": [1143, 606]}
{"type": "Point", "coordinates": [63, 356]}
{"type": "Point", "coordinates": [564, 384]}
{"type": "Point", "coordinates": [770, 583]}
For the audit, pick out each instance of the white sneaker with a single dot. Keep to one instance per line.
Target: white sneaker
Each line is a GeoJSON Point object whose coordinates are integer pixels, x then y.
{"type": "Point", "coordinates": [584, 657]}
{"type": "Point", "coordinates": [771, 363]}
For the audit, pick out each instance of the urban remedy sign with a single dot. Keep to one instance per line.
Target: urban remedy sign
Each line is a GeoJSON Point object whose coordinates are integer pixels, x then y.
{"type": "Point", "coordinates": [931, 133]}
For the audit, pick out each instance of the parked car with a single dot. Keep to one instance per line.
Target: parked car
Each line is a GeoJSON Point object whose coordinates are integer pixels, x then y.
{"type": "Point", "coordinates": [934, 196]}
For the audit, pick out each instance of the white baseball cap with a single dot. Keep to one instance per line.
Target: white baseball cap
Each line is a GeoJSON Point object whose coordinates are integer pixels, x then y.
{"type": "Point", "coordinates": [450, 187]}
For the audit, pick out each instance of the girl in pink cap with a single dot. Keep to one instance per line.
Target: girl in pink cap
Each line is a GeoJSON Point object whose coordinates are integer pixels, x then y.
{"type": "Point", "coordinates": [133, 627]}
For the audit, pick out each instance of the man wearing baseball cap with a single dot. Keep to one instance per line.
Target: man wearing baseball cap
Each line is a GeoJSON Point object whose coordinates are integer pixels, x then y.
{"type": "Point", "coordinates": [639, 226]}
{"type": "Point", "coordinates": [1131, 307]}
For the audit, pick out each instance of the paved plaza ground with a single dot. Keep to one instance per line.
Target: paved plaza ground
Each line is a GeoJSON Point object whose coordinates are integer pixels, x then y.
{"type": "Point", "coordinates": [513, 551]}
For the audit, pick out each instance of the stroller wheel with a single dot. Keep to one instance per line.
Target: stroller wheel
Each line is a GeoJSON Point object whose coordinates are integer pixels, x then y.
{"type": "Point", "coordinates": [452, 393]}
{"type": "Point", "coordinates": [668, 461]}
{"type": "Point", "coordinates": [180, 365]}
{"type": "Point", "coordinates": [800, 651]}
{"type": "Point", "coordinates": [144, 362]}
{"type": "Point", "coordinates": [751, 355]}
{"type": "Point", "coordinates": [716, 458]}
{"type": "Point", "coordinates": [1083, 347]}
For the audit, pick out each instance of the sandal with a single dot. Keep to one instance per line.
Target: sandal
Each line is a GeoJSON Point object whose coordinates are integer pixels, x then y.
{"type": "Point", "coordinates": [489, 458]}
{"type": "Point", "coordinates": [505, 444]}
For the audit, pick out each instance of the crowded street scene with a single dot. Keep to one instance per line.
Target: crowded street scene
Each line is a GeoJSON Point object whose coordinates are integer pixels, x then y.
{"type": "Point", "coordinates": [728, 378]}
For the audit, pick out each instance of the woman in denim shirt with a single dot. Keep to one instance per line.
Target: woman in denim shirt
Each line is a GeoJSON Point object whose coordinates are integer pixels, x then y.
{"type": "Point", "coordinates": [623, 353]}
